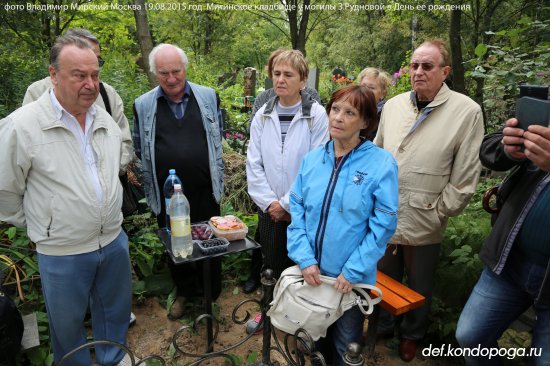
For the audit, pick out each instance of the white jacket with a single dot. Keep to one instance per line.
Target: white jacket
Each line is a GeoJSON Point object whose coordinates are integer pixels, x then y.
{"type": "Point", "coordinates": [272, 166]}
{"type": "Point", "coordinates": [44, 184]}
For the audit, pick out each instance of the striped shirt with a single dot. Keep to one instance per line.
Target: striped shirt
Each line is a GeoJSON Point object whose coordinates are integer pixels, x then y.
{"type": "Point", "coordinates": [286, 115]}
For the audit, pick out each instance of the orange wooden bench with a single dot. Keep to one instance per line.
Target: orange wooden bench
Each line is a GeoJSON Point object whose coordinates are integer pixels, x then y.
{"type": "Point", "coordinates": [397, 299]}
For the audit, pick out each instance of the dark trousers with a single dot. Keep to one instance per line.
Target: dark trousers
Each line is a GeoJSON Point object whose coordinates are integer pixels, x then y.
{"type": "Point", "coordinates": [272, 237]}
{"type": "Point", "coordinates": [256, 261]}
{"type": "Point", "coordinates": [418, 263]}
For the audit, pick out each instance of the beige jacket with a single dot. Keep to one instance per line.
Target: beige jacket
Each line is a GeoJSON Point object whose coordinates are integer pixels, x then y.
{"type": "Point", "coordinates": [36, 89]}
{"type": "Point", "coordinates": [437, 159]}
{"type": "Point", "coordinates": [44, 184]}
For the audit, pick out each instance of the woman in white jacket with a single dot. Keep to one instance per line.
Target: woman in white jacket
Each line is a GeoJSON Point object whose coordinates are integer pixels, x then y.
{"type": "Point", "coordinates": [282, 132]}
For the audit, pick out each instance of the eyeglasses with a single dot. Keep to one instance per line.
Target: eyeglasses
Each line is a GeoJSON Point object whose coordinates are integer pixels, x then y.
{"type": "Point", "coordinates": [426, 66]}
{"type": "Point", "coordinates": [100, 61]}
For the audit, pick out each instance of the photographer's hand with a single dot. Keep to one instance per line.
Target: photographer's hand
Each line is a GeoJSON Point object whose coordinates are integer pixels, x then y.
{"type": "Point", "coordinates": [512, 139]}
{"type": "Point", "coordinates": [537, 146]}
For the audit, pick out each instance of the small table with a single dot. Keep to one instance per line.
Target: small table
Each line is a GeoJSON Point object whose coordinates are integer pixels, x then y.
{"type": "Point", "coordinates": [234, 247]}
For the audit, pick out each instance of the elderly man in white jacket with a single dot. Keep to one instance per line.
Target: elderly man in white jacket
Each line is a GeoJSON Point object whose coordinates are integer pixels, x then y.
{"type": "Point", "coordinates": [60, 158]}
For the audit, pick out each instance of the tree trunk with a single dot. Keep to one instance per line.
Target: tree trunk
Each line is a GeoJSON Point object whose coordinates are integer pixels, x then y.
{"type": "Point", "coordinates": [301, 45]}
{"type": "Point", "coordinates": [298, 29]}
{"type": "Point", "coordinates": [414, 31]}
{"type": "Point", "coordinates": [144, 38]}
{"type": "Point", "coordinates": [456, 51]}
{"type": "Point", "coordinates": [490, 8]}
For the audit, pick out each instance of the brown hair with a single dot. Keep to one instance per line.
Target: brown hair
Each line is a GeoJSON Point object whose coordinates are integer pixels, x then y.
{"type": "Point", "coordinates": [363, 100]}
{"type": "Point", "coordinates": [442, 46]}
{"type": "Point", "coordinates": [272, 56]}
{"type": "Point", "coordinates": [294, 59]}
{"type": "Point", "coordinates": [63, 41]}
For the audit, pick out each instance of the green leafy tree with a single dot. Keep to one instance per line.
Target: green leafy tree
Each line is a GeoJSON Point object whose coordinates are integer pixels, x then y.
{"type": "Point", "coordinates": [512, 59]}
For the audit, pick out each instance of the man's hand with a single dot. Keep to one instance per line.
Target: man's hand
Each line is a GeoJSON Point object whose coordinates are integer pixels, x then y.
{"type": "Point", "coordinates": [536, 141]}
{"type": "Point", "coordinates": [343, 285]}
{"type": "Point", "coordinates": [312, 275]}
{"type": "Point", "coordinates": [277, 212]}
{"type": "Point", "coordinates": [537, 146]}
{"type": "Point", "coordinates": [512, 139]}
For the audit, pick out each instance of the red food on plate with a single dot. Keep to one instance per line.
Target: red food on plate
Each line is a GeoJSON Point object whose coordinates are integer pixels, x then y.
{"type": "Point", "coordinates": [228, 222]}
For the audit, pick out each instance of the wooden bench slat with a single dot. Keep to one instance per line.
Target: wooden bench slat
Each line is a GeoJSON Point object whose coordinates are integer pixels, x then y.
{"type": "Point", "coordinates": [396, 297]}
{"type": "Point", "coordinates": [392, 302]}
{"type": "Point", "coordinates": [396, 286]}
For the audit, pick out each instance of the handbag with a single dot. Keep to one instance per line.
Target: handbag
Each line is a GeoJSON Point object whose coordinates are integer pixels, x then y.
{"type": "Point", "coordinates": [298, 305]}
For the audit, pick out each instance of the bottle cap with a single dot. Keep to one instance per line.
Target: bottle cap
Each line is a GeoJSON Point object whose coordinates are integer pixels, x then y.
{"type": "Point", "coordinates": [177, 187]}
{"type": "Point", "coordinates": [172, 171]}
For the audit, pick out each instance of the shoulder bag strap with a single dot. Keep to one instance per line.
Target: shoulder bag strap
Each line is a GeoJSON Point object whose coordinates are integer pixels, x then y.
{"type": "Point", "coordinates": [366, 300]}
{"type": "Point", "coordinates": [362, 302]}
{"type": "Point", "coordinates": [105, 97]}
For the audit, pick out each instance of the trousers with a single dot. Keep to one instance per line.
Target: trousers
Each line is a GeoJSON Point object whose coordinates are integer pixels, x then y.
{"type": "Point", "coordinates": [495, 302]}
{"type": "Point", "coordinates": [418, 263]}
{"type": "Point", "coordinates": [101, 279]}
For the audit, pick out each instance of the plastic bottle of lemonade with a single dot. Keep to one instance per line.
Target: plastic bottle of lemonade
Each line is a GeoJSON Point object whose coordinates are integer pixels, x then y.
{"type": "Point", "coordinates": [180, 223]}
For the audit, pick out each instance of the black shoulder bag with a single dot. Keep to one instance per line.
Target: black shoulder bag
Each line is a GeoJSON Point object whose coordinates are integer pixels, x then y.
{"type": "Point", "coordinates": [11, 326]}
{"type": "Point", "coordinates": [132, 190]}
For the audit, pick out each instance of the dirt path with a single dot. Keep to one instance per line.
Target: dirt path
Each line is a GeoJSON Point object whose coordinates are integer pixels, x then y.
{"type": "Point", "coordinates": [153, 332]}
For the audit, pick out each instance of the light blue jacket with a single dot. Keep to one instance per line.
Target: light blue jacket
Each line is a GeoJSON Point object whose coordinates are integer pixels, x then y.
{"type": "Point", "coordinates": [144, 140]}
{"type": "Point", "coordinates": [344, 217]}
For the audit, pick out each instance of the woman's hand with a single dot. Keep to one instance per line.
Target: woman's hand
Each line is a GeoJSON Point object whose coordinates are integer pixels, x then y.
{"type": "Point", "coordinates": [312, 275]}
{"type": "Point", "coordinates": [343, 285]}
{"type": "Point", "coordinates": [277, 212]}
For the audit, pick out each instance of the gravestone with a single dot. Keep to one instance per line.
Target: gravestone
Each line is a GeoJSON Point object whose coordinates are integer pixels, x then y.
{"type": "Point", "coordinates": [249, 82]}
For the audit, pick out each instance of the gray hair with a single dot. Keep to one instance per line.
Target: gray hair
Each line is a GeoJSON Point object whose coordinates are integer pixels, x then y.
{"type": "Point", "coordinates": [63, 41]}
{"type": "Point", "coordinates": [83, 33]}
{"type": "Point", "coordinates": [153, 56]}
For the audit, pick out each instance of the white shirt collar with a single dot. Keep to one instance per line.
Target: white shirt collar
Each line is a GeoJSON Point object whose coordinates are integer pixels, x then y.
{"type": "Point", "coordinates": [59, 110]}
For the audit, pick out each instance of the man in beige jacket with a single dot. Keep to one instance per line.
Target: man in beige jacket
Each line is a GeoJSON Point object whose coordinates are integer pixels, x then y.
{"type": "Point", "coordinates": [434, 134]}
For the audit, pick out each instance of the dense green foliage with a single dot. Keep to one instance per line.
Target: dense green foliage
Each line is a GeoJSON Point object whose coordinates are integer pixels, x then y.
{"type": "Point", "coordinates": [503, 43]}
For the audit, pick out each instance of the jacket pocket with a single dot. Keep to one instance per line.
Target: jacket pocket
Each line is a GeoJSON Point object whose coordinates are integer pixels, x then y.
{"type": "Point", "coordinates": [428, 179]}
{"type": "Point", "coordinates": [40, 224]}
{"type": "Point", "coordinates": [147, 141]}
{"type": "Point", "coordinates": [424, 214]}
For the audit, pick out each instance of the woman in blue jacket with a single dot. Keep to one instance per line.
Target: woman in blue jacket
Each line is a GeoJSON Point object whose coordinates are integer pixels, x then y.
{"type": "Point", "coordinates": [343, 205]}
